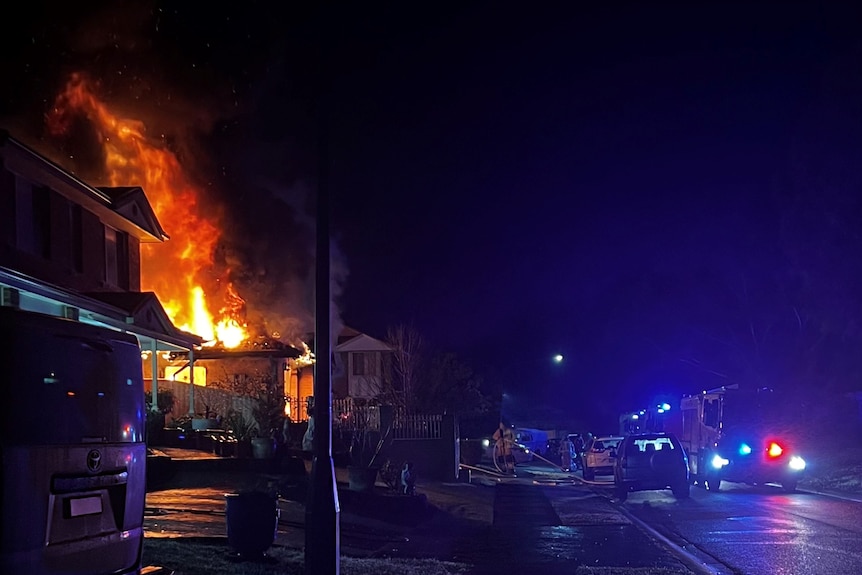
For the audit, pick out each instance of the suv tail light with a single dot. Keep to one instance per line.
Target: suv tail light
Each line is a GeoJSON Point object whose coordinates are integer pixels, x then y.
{"type": "Point", "coordinates": [774, 450]}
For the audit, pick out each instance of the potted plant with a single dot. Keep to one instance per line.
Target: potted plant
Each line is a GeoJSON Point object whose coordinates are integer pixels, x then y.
{"type": "Point", "coordinates": [214, 402]}
{"type": "Point", "coordinates": [242, 430]}
{"type": "Point", "coordinates": [269, 417]}
{"type": "Point", "coordinates": [156, 417]}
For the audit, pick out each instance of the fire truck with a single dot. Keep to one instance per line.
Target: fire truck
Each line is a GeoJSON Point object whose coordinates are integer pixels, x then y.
{"type": "Point", "coordinates": [737, 435]}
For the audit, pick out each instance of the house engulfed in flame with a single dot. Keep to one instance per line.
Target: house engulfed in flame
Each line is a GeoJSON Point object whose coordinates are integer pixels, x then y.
{"type": "Point", "coordinates": [73, 250]}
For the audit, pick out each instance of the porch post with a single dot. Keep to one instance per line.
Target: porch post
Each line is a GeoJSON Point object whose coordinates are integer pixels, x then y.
{"type": "Point", "coordinates": [191, 382]}
{"type": "Point", "coordinates": [154, 349]}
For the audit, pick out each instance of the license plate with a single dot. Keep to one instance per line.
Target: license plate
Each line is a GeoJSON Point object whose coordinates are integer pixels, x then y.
{"type": "Point", "coordinates": [85, 506]}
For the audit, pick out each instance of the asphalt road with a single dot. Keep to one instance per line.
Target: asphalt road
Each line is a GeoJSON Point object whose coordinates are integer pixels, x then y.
{"type": "Point", "coordinates": [759, 530]}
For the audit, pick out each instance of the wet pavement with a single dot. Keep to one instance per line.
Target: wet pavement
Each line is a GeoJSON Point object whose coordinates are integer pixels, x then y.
{"type": "Point", "coordinates": [538, 521]}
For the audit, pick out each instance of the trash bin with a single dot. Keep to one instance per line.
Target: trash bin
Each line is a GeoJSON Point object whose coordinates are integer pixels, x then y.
{"type": "Point", "coordinates": [252, 522]}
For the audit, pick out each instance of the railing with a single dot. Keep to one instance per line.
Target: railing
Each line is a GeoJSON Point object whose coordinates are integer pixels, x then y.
{"type": "Point", "coordinates": [416, 425]}
{"type": "Point", "coordinates": [347, 414]}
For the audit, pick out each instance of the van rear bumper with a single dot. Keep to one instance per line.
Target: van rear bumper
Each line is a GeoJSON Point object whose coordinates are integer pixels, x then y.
{"type": "Point", "coordinates": [113, 553]}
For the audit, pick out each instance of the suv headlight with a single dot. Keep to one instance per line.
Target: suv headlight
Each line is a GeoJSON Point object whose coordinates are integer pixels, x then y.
{"type": "Point", "coordinates": [796, 463]}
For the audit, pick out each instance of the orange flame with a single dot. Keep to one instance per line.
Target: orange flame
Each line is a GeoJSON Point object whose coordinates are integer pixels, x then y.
{"type": "Point", "coordinates": [178, 269]}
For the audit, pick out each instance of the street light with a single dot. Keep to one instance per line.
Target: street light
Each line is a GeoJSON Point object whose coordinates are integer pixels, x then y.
{"type": "Point", "coordinates": [558, 358]}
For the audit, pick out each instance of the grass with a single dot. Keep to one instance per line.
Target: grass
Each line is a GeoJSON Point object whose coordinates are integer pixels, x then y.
{"type": "Point", "coordinates": [839, 470]}
{"type": "Point", "coordinates": [189, 556]}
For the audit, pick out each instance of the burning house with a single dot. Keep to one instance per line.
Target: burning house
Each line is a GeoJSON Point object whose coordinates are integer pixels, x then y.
{"type": "Point", "coordinates": [99, 253]}
{"type": "Point", "coordinates": [147, 250]}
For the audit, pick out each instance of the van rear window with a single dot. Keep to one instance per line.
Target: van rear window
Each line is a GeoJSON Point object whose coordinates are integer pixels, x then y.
{"type": "Point", "coordinates": [74, 384]}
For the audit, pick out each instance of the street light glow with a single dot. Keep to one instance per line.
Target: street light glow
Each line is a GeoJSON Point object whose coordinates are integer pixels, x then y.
{"type": "Point", "coordinates": [558, 358]}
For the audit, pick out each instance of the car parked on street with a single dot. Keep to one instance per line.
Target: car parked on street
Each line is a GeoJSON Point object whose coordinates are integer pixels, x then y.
{"type": "Point", "coordinates": [647, 461]}
{"type": "Point", "coordinates": [600, 455]}
{"type": "Point", "coordinates": [533, 441]}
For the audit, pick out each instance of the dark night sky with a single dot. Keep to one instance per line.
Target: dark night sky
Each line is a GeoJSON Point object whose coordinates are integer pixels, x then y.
{"type": "Point", "coordinates": [613, 184]}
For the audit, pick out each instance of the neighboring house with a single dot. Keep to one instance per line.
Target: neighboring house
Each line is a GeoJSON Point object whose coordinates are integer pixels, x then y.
{"type": "Point", "coordinates": [73, 250]}
{"type": "Point", "coordinates": [360, 366]}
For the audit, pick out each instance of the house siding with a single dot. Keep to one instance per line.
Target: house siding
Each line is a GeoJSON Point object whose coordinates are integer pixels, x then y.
{"type": "Point", "coordinates": [46, 249]}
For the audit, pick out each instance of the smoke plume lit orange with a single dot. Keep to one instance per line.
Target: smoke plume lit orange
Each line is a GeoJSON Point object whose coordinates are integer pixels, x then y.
{"type": "Point", "coordinates": [180, 271]}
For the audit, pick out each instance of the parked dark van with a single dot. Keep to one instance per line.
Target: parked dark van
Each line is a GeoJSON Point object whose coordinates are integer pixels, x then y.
{"type": "Point", "coordinates": [72, 480]}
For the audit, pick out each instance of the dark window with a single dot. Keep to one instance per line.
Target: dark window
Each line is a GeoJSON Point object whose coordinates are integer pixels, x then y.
{"type": "Point", "coordinates": [77, 243]}
{"type": "Point", "coordinates": [710, 413]}
{"type": "Point", "coordinates": [111, 256]}
{"type": "Point", "coordinates": [366, 364]}
{"type": "Point", "coordinates": [358, 364]}
{"type": "Point", "coordinates": [123, 260]}
{"type": "Point", "coordinates": [42, 222]}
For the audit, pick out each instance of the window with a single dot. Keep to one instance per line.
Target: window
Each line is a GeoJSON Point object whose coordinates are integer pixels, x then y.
{"type": "Point", "coordinates": [111, 256]}
{"type": "Point", "coordinates": [710, 413]}
{"type": "Point", "coordinates": [77, 244]}
{"type": "Point", "coordinates": [123, 260]}
{"type": "Point", "coordinates": [42, 222]}
{"type": "Point", "coordinates": [33, 216]}
{"type": "Point", "coordinates": [366, 364]}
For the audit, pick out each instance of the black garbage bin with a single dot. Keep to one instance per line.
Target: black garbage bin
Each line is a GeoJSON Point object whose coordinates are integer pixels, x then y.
{"type": "Point", "coordinates": [252, 522]}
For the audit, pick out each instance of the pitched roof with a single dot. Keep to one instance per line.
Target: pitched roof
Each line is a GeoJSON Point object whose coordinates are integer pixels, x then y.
{"type": "Point", "coordinates": [357, 341]}
{"type": "Point", "coordinates": [144, 310]}
{"type": "Point", "coordinates": [363, 342]}
{"type": "Point", "coordinates": [132, 202]}
{"type": "Point", "coordinates": [125, 209]}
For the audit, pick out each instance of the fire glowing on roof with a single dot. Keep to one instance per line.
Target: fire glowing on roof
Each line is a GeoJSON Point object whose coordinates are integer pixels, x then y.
{"type": "Point", "coordinates": [198, 296]}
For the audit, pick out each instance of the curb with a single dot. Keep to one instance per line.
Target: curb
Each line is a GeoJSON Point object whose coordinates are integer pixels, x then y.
{"type": "Point", "coordinates": [686, 557]}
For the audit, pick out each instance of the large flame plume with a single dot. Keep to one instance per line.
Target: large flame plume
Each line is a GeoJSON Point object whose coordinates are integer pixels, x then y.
{"type": "Point", "coordinates": [180, 271]}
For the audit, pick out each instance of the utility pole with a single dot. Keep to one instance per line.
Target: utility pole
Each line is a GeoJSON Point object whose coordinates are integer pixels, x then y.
{"type": "Point", "coordinates": [322, 537]}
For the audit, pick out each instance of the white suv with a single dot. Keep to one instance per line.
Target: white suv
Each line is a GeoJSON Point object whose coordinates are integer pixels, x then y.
{"type": "Point", "coordinates": [599, 456]}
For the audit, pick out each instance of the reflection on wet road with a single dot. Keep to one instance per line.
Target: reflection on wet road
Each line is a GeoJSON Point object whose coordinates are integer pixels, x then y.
{"type": "Point", "coordinates": [760, 530]}
{"type": "Point", "coordinates": [535, 527]}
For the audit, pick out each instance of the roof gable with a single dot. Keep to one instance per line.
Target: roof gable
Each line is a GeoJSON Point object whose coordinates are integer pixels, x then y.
{"type": "Point", "coordinates": [362, 342]}
{"type": "Point", "coordinates": [125, 209]}
{"type": "Point", "coordinates": [131, 202]}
